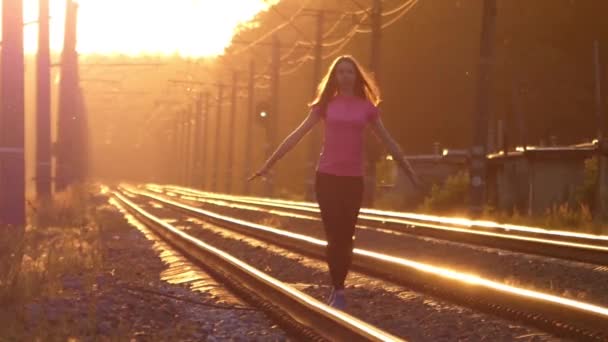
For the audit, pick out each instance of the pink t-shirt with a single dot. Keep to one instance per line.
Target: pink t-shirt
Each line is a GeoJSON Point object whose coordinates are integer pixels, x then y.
{"type": "Point", "coordinates": [345, 121]}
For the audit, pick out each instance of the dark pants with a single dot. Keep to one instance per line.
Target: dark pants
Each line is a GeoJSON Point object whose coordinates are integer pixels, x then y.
{"type": "Point", "coordinates": [339, 199]}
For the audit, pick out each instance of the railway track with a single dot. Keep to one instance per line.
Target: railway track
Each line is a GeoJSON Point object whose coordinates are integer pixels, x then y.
{"type": "Point", "coordinates": [562, 276]}
{"type": "Point", "coordinates": [561, 316]}
{"type": "Point", "coordinates": [298, 313]}
{"type": "Point", "coordinates": [556, 244]}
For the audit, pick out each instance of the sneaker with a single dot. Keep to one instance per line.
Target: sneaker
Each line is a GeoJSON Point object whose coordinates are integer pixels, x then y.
{"type": "Point", "coordinates": [339, 300]}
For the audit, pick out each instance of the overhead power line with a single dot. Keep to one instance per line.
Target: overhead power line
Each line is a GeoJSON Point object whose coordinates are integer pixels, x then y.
{"type": "Point", "coordinates": [289, 21]}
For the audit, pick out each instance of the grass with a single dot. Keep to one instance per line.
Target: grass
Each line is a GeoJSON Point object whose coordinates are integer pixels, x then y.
{"type": "Point", "coordinates": [451, 198]}
{"type": "Point", "coordinates": [558, 217]}
{"type": "Point", "coordinates": [61, 239]}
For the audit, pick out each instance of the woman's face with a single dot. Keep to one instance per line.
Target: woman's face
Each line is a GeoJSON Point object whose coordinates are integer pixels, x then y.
{"type": "Point", "coordinates": [346, 75]}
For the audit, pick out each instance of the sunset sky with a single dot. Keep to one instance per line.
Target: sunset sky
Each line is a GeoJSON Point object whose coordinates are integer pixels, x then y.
{"type": "Point", "coordinates": [190, 28]}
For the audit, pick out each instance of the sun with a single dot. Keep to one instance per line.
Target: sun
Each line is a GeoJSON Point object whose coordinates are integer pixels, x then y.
{"type": "Point", "coordinates": [189, 28]}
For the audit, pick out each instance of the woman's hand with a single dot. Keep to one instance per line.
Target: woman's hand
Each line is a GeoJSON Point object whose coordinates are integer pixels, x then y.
{"type": "Point", "coordinates": [287, 144]}
{"type": "Point", "coordinates": [412, 175]}
{"type": "Point", "coordinates": [260, 173]}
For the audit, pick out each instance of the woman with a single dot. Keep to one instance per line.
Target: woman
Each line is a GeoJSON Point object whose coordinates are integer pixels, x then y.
{"type": "Point", "coordinates": [346, 100]}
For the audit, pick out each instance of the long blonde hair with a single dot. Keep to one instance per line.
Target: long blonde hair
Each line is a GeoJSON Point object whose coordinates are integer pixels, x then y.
{"type": "Point", "coordinates": [365, 86]}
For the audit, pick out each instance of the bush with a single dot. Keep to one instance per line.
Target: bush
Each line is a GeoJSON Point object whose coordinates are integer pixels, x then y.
{"type": "Point", "coordinates": [452, 196]}
{"type": "Point", "coordinates": [563, 216]}
{"type": "Point", "coordinates": [11, 251]}
{"type": "Point", "coordinates": [391, 200]}
{"type": "Point", "coordinates": [585, 194]}
{"type": "Point", "coordinates": [60, 239]}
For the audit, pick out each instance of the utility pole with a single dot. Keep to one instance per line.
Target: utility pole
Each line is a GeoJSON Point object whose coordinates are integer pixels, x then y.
{"type": "Point", "coordinates": [205, 169]}
{"type": "Point", "coordinates": [602, 182]}
{"type": "Point", "coordinates": [273, 115]}
{"type": "Point", "coordinates": [71, 131]}
{"type": "Point", "coordinates": [231, 133]}
{"type": "Point", "coordinates": [480, 116]}
{"type": "Point", "coordinates": [12, 129]}
{"type": "Point", "coordinates": [315, 135]}
{"type": "Point", "coordinates": [212, 157]}
{"type": "Point", "coordinates": [198, 120]}
{"type": "Point", "coordinates": [274, 106]}
{"type": "Point", "coordinates": [249, 125]}
{"type": "Point", "coordinates": [180, 148]}
{"type": "Point", "coordinates": [43, 105]}
{"type": "Point", "coordinates": [374, 63]}
{"type": "Point", "coordinates": [372, 148]}
{"type": "Point", "coordinates": [218, 127]}
{"type": "Point", "coordinates": [188, 118]}
{"type": "Point", "coordinates": [518, 113]}
{"type": "Point", "coordinates": [172, 155]}
{"type": "Point", "coordinates": [185, 136]}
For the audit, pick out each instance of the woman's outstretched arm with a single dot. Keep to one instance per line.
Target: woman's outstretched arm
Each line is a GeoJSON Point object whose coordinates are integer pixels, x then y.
{"type": "Point", "coordinates": [395, 151]}
{"type": "Point", "coordinates": [290, 142]}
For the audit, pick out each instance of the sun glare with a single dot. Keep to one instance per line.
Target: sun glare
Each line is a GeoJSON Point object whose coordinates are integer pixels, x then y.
{"type": "Point", "coordinates": [189, 28]}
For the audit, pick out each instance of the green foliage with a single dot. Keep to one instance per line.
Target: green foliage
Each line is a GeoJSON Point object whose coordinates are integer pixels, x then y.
{"type": "Point", "coordinates": [585, 194]}
{"type": "Point", "coordinates": [66, 209]}
{"type": "Point", "coordinates": [61, 239]}
{"type": "Point", "coordinates": [449, 198]}
{"type": "Point", "coordinates": [11, 249]}
{"type": "Point", "coordinates": [564, 216]}
{"type": "Point", "coordinates": [558, 217]}
{"type": "Point", "coordinates": [390, 201]}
